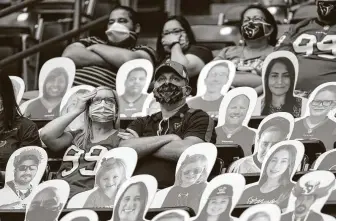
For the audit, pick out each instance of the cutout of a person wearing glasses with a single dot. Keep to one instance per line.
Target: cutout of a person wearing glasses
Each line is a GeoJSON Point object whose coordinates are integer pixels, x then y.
{"type": "Point", "coordinates": [26, 165]}
{"type": "Point", "coordinates": [317, 124]}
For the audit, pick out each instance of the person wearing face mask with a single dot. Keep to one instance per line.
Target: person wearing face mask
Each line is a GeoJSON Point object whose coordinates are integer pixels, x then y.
{"type": "Point", "coordinates": [16, 131]}
{"type": "Point", "coordinates": [275, 184]}
{"type": "Point", "coordinates": [317, 125]}
{"type": "Point", "coordinates": [233, 130]}
{"type": "Point", "coordinates": [259, 32]}
{"type": "Point", "coordinates": [45, 206]}
{"type": "Point", "coordinates": [97, 60]}
{"type": "Point", "coordinates": [176, 42]}
{"type": "Point", "coordinates": [161, 138]}
{"type": "Point", "coordinates": [218, 206]}
{"type": "Point", "coordinates": [273, 131]}
{"type": "Point", "coordinates": [313, 41]}
{"type": "Point", "coordinates": [87, 145]}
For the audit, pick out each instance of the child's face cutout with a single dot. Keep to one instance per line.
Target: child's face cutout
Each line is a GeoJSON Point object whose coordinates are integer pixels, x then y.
{"type": "Point", "coordinates": [110, 180]}
{"type": "Point", "coordinates": [217, 205]}
{"type": "Point", "coordinates": [191, 173]}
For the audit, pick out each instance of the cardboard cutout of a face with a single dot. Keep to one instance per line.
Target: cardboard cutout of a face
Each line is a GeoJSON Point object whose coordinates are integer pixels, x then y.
{"type": "Point", "coordinates": [47, 201]}
{"type": "Point", "coordinates": [19, 88]}
{"type": "Point", "coordinates": [81, 215]}
{"type": "Point", "coordinates": [69, 102]}
{"type": "Point", "coordinates": [274, 128]}
{"type": "Point", "coordinates": [151, 106]}
{"type": "Point", "coordinates": [172, 215]}
{"type": "Point", "coordinates": [309, 196]}
{"type": "Point", "coordinates": [56, 77]}
{"type": "Point", "coordinates": [133, 80]}
{"type": "Point", "coordinates": [220, 197]}
{"type": "Point", "coordinates": [280, 165]}
{"type": "Point", "coordinates": [193, 168]}
{"type": "Point", "coordinates": [24, 171]}
{"type": "Point", "coordinates": [134, 198]}
{"type": "Point", "coordinates": [214, 81]}
{"type": "Point", "coordinates": [262, 212]}
{"type": "Point", "coordinates": [115, 167]}
{"type": "Point", "coordinates": [316, 121]}
{"type": "Point", "coordinates": [279, 78]}
{"type": "Point", "coordinates": [234, 114]}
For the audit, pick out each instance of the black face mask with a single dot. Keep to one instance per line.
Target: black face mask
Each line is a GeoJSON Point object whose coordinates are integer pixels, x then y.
{"type": "Point", "coordinates": [327, 11]}
{"type": "Point", "coordinates": [168, 93]}
{"type": "Point", "coordinates": [253, 30]}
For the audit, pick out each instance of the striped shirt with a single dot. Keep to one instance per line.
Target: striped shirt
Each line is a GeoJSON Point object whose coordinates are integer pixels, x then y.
{"type": "Point", "coordinates": [100, 76]}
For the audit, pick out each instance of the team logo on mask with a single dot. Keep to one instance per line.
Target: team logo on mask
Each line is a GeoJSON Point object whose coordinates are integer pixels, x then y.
{"type": "Point", "coordinates": [251, 30]}
{"type": "Point", "coordinates": [326, 8]}
{"type": "Point", "coordinates": [255, 30]}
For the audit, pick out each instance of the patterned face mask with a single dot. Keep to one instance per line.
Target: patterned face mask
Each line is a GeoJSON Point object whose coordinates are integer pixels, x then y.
{"type": "Point", "coordinates": [102, 112]}
{"type": "Point", "coordinates": [255, 30]}
{"type": "Point", "coordinates": [327, 10]}
{"type": "Point", "coordinates": [168, 93]}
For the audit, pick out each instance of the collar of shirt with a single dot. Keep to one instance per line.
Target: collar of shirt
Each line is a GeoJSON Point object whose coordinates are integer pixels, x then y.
{"type": "Point", "coordinates": [180, 114]}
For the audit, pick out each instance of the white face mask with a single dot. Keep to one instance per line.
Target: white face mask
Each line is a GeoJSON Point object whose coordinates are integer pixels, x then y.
{"type": "Point", "coordinates": [118, 33]}
{"type": "Point", "coordinates": [102, 112]}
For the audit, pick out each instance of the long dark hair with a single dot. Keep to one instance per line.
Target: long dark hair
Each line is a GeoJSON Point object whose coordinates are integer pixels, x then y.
{"type": "Point", "coordinates": [286, 176]}
{"type": "Point", "coordinates": [56, 72]}
{"type": "Point", "coordinates": [290, 100]}
{"type": "Point", "coordinates": [144, 198]}
{"type": "Point", "coordinates": [184, 24]}
{"type": "Point", "coordinates": [272, 40]}
{"type": "Point", "coordinates": [11, 111]}
{"type": "Point", "coordinates": [226, 214]}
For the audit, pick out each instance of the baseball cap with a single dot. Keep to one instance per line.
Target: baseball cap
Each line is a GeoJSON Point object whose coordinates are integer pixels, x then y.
{"type": "Point", "coordinates": [177, 68]}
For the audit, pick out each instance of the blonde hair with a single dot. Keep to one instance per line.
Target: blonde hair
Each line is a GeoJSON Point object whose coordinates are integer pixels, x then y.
{"type": "Point", "coordinates": [82, 138]}
{"type": "Point", "coordinates": [109, 164]}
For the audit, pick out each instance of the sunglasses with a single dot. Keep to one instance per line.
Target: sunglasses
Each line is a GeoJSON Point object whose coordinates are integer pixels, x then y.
{"type": "Point", "coordinates": [24, 167]}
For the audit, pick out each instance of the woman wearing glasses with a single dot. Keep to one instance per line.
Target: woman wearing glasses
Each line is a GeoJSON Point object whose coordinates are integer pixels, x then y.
{"type": "Point", "coordinates": [317, 124]}
{"type": "Point", "coordinates": [190, 183]}
{"type": "Point", "coordinates": [85, 146]}
{"type": "Point", "coordinates": [176, 42]}
{"type": "Point", "coordinates": [259, 32]}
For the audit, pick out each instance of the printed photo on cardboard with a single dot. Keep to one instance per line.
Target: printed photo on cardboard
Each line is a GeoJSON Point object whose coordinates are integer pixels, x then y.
{"type": "Point", "coordinates": [151, 106]}
{"type": "Point", "coordinates": [69, 102]}
{"type": "Point", "coordinates": [19, 88]}
{"type": "Point", "coordinates": [133, 80]}
{"type": "Point", "coordinates": [316, 122]}
{"type": "Point", "coordinates": [47, 201]}
{"type": "Point", "coordinates": [56, 77]}
{"type": "Point", "coordinates": [115, 167]}
{"type": "Point", "coordinates": [134, 198]}
{"type": "Point", "coordinates": [220, 197]}
{"type": "Point", "coordinates": [279, 78]}
{"type": "Point", "coordinates": [234, 114]}
{"type": "Point", "coordinates": [193, 168]}
{"type": "Point", "coordinates": [262, 212]}
{"type": "Point", "coordinates": [309, 196]}
{"type": "Point", "coordinates": [326, 161]}
{"type": "Point", "coordinates": [274, 128]}
{"type": "Point", "coordinates": [214, 81]}
{"type": "Point", "coordinates": [278, 168]}
{"type": "Point", "coordinates": [172, 215]}
{"type": "Point", "coordinates": [24, 172]}
{"type": "Point", "coordinates": [81, 215]}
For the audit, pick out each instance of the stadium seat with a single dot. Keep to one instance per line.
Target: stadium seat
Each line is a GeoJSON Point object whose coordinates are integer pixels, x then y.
{"type": "Point", "coordinates": [313, 149]}
{"type": "Point", "coordinates": [304, 12]}
{"type": "Point", "coordinates": [231, 11]}
{"type": "Point", "coordinates": [229, 153]}
{"type": "Point", "coordinates": [280, 13]}
{"type": "Point", "coordinates": [255, 121]}
{"type": "Point", "coordinates": [203, 19]}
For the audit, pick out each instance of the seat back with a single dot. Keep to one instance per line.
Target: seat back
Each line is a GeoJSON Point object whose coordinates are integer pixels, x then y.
{"type": "Point", "coordinates": [229, 153]}
{"type": "Point", "coordinates": [313, 149]}
{"type": "Point", "coordinates": [231, 11]}
{"type": "Point", "coordinates": [304, 12]}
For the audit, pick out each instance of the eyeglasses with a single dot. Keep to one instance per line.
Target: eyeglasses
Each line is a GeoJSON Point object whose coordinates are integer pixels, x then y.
{"type": "Point", "coordinates": [325, 103]}
{"type": "Point", "coordinates": [176, 31]}
{"type": "Point", "coordinates": [106, 100]}
{"type": "Point", "coordinates": [193, 171]}
{"type": "Point", "coordinates": [24, 168]}
{"type": "Point", "coordinates": [253, 19]}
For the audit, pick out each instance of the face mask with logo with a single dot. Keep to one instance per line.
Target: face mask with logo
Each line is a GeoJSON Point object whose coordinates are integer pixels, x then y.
{"type": "Point", "coordinates": [119, 35]}
{"type": "Point", "coordinates": [327, 10]}
{"type": "Point", "coordinates": [256, 30]}
{"type": "Point", "coordinates": [168, 93]}
{"type": "Point", "coordinates": [102, 112]}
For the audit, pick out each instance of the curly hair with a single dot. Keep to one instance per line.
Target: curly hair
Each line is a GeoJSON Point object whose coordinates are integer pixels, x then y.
{"type": "Point", "coordinates": [33, 155]}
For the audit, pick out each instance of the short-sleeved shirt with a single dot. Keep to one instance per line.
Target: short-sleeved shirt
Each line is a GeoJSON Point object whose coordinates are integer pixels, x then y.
{"type": "Point", "coordinates": [100, 76]}
{"type": "Point", "coordinates": [313, 44]}
{"type": "Point", "coordinates": [36, 110]}
{"type": "Point", "coordinates": [279, 196]}
{"type": "Point", "coordinates": [98, 199]}
{"type": "Point", "coordinates": [23, 133]}
{"type": "Point", "coordinates": [244, 137]}
{"type": "Point", "coordinates": [210, 107]}
{"type": "Point", "coordinates": [128, 109]}
{"type": "Point", "coordinates": [236, 55]}
{"type": "Point", "coordinates": [185, 123]}
{"type": "Point", "coordinates": [325, 132]}
{"type": "Point", "coordinates": [79, 164]}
